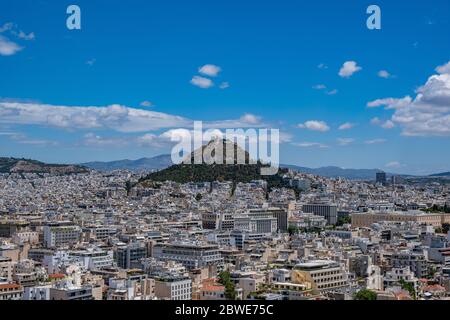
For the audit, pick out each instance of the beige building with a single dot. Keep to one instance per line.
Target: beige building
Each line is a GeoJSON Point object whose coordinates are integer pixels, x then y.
{"type": "Point", "coordinates": [11, 292]}
{"type": "Point", "coordinates": [365, 220]}
{"type": "Point", "coordinates": [322, 275]}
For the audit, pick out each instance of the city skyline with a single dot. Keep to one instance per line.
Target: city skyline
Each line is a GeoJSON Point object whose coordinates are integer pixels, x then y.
{"type": "Point", "coordinates": [340, 94]}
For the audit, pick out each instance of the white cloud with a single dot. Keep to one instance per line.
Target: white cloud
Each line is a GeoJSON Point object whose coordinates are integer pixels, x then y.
{"type": "Point", "coordinates": [146, 104]}
{"type": "Point", "coordinates": [23, 35]}
{"type": "Point", "coordinates": [146, 140]}
{"type": "Point", "coordinates": [93, 140]}
{"type": "Point", "coordinates": [152, 140]}
{"type": "Point", "coordinates": [375, 121]}
{"type": "Point", "coordinates": [6, 27]}
{"type": "Point", "coordinates": [375, 141]}
{"type": "Point", "coordinates": [114, 117]}
{"type": "Point", "coordinates": [39, 142]}
{"type": "Point", "coordinates": [250, 118]}
{"type": "Point", "coordinates": [91, 62]}
{"type": "Point", "coordinates": [320, 87]}
{"type": "Point", "coordinates": [332, 92]}
{"type": "Point", "coordinates": [322, 66]}
{"type": "Point", "coordinates": [202, 82]}
{"type": "Point", "coordinates": [444, 69]}
{"type": "Point", "coordinates": [428, 114]}
{"type": "Point", "coordinates": [24, 139]}
{"type": "Point", "coordinates": [185, 134]}
{"type": "Point", "coordinates": [388, 124]}
{"type": "Point", "coordinates": [247, 120]}
{"type": "Point", "coordinates": [391, 103]}
{"type": "Point", "coordinates": [346, 126]}
{"type": "Point", "coordinates": [348, 69]}
{"type": "Point", "coordinates": [7, 47]}
{"type": "Point", "coordinates": [384, 74]}
{"type": "Point", "coordinates": [310, 145]}
{"type": "Point", "coordinates": [210, 70]}
{"type": "Point", "coordinates": [224, 85]}
{"type": "Point", "coordinates": [314, 125]}
{"type": "Point", "coordinates": [393, 165]}
{"type": "Point", "coordinates": [345, 141]}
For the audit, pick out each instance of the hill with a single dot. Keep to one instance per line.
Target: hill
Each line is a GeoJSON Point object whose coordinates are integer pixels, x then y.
{"type": "Point", "coordinates": [230, 171]}
{"type": "Point", "coordinates": [143, 164]}
{"type": "Point", "coordinates": [13, 165]}
{"type": "Point", "coordinates": [442, 174]}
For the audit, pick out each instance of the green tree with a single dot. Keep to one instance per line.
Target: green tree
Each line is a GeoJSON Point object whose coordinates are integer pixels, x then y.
{"type": "Point", "coordinates": [198, 197]}
{"type": "Point", "coordinates": [408, 287]}
{"type": "Point", "coordinates": [292, 229]}
{"type": "Point", "coordinates": [445, 227]}
{"type": "Point", "coordinates": [365, 294]}
{"type": "Point", "coordinates": [230, 289]}
{"type": "Point", "coordinates": [344, 220]}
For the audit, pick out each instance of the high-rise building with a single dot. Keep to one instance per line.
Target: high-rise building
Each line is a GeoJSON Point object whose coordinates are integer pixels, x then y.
{"type": "Point", "coordinates": [61, 234]}
{"type": "Point", "coordinates": [326, 210]}
{"type": "Point", "coordinates": [9, 227]}
{"type": "Point", "coordinates": [280, 214]}
{"type": "Point", "coordinates": [381, 177]}
{"type": "Point", "coordinates": [131, 254]}
{"type": "Point", "coordinates": [190, 255]}
{"type": "Point", "coordinates": [173, 287]}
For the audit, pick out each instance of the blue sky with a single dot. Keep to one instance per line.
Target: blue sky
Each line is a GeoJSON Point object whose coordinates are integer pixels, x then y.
{"type": "Point", "coordinates": [283, 64]}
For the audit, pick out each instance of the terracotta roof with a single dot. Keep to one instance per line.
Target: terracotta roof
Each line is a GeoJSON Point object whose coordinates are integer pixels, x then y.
{"type": "Point", "coordinates": [57, 276]}
{"type": "Point", "coordinates": [10, 286]}
{"type": "Point", "coordinates": [434, 287]}
{"type": "Point", "coordinates": [213, 288]}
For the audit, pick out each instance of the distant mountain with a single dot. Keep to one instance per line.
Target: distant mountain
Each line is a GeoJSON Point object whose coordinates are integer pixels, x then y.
{"type": "Point", "coordinates": [143, 164]}
{"type": "Point", "coordinates": [165, 161]}
{"type": "Point", "coordinates": [12, 165]}
{"type": "Point", "coordinates": [443, 174]}
{"type": "Point", "coordinates": [336, 172]}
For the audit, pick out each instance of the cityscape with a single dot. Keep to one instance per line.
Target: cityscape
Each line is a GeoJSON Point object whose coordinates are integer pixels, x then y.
{"type": "Point", "coordinates": [334, 184]}
{"type": "Point", "coordinates": [123, 235]}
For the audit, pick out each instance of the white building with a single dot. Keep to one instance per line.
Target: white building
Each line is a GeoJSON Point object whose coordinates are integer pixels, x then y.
{"type": "Point", "coordinates": [61, 234]}
{"type": "Point", "coordinates": [173, 288]}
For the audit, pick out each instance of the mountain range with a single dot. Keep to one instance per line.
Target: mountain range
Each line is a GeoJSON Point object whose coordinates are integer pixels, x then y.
{"type": "Point", "coordinates": [143, 164]}
{"type": "Point", "coordinates": [11, 165]}
{"type": "Point", "coordinates": [164, 161]}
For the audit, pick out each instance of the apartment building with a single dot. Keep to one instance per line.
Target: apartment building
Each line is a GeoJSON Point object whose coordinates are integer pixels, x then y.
{"type": "Point", "coordinates": [94, 259]}
{"type": "Point", "coordinates": [190, 255]}
{"type": "Point", "coordinates": [8, 227]}
{"type": "Point", "coordinates": [256, 222]}
{"type": "Point", "coordinates": [325, 274]}
{"type": "Point", "coordinates": [365, 220]}
{"type": "Point", "coordinates": [71, 293]}
{"type": "Point", "coordinates": [218, 221]}
{"type": "Point", "coordinates": [61, 234]}
{"type": "Point", "coordinates": [130, 255]}
{"type": "Point", "coordinates": [11, 291]}
{"type": "Point", "coordinates": [326, 210]}
{"type": "Point", "coordinates": [173, 288]}
{"type": "Point", "coordinates": [415, 261]}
